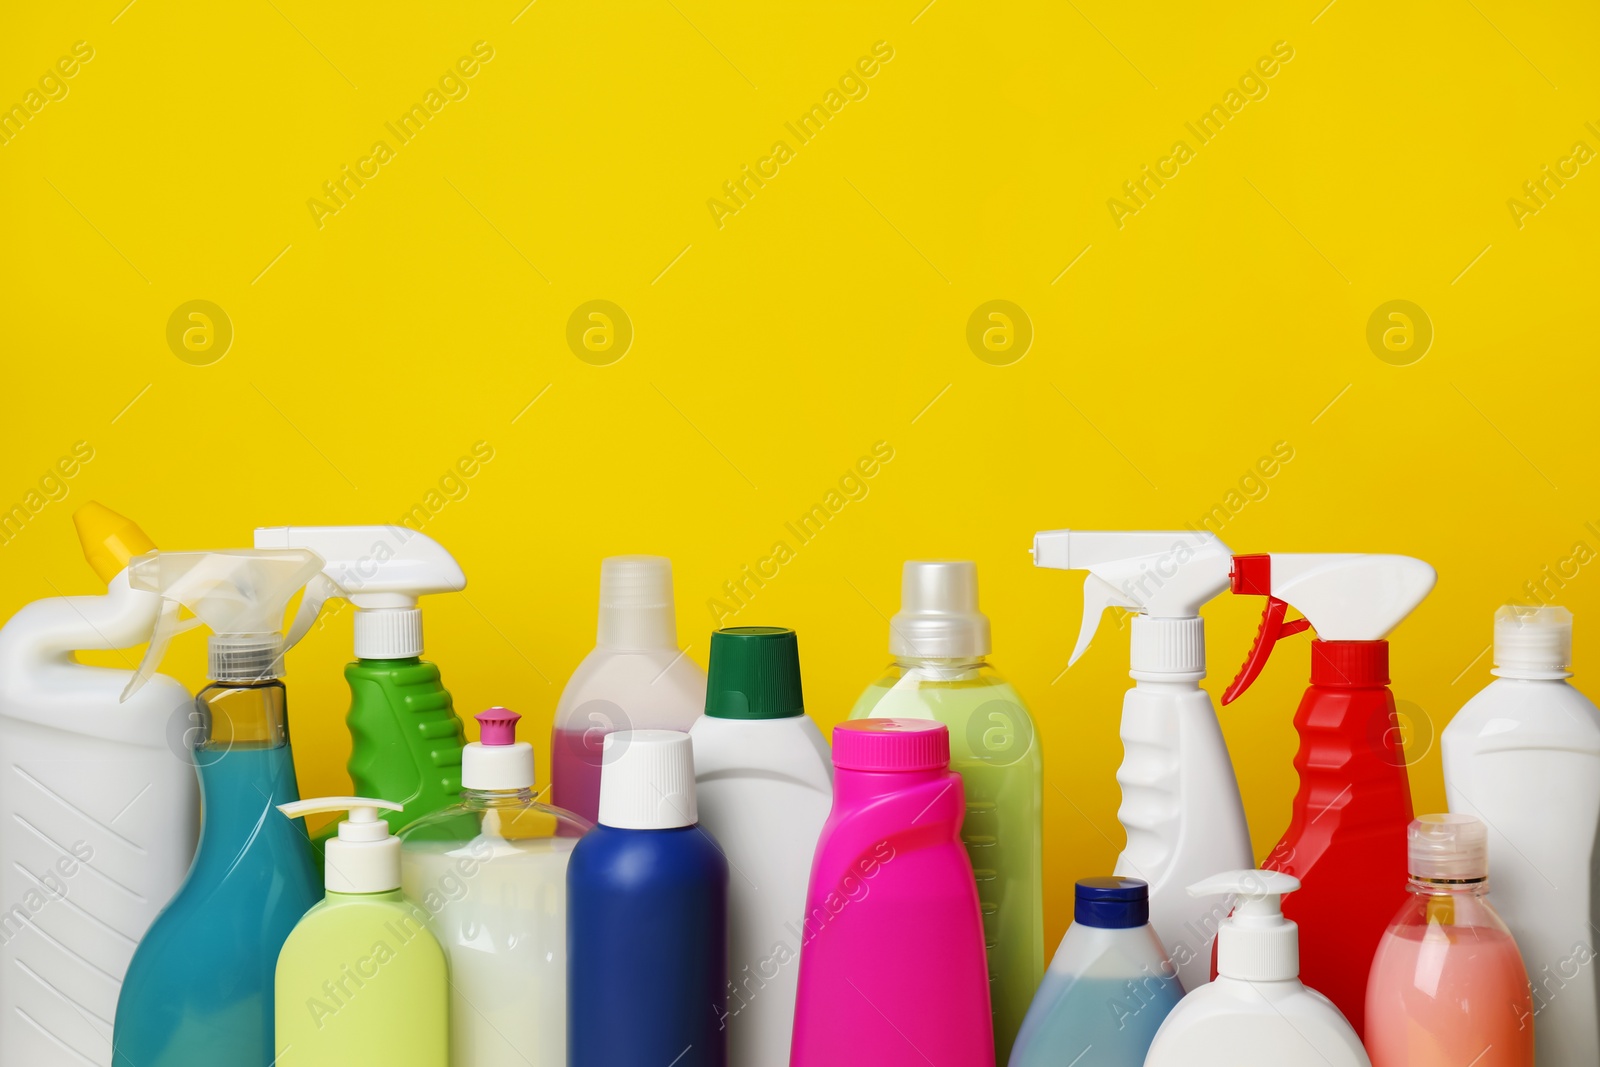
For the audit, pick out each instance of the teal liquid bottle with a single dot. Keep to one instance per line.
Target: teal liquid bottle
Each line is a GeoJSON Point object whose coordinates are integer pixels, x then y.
{"type": "Point", "coordinates": [939, 641]}
{"type": "Point", "coordinates": [199, 990]}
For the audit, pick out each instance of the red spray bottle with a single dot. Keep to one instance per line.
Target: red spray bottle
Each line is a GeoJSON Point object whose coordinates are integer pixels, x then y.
{"type": "Point", "coordinates": [1348, 827]}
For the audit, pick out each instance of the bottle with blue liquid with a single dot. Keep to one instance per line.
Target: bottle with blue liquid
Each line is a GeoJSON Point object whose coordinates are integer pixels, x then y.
{"type": "Point", "coordinates": [199, 990]}
{"type": "Point", "coordinates": [1108, 988]}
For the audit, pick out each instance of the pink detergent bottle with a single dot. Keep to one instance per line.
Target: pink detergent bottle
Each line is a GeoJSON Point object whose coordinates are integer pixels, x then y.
{"type": "Point", "coordinates": [892, 965]}
{"type": "Point", "coordinates": [1448, 987]}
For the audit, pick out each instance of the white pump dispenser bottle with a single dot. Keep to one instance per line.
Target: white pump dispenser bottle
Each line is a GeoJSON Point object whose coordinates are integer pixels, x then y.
{"type": "Point", "coordinates": [1257, 1013]}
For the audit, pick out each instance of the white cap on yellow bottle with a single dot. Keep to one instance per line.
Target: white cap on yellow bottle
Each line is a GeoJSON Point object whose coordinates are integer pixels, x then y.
{"type": "Point", "coordinates": [364, 858]}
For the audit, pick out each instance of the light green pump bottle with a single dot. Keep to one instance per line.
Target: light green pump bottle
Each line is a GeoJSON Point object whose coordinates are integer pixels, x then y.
{"type": "Point", "coordinates": [939, 641]}
{"type": "Point", "coordinates": [361, 980]}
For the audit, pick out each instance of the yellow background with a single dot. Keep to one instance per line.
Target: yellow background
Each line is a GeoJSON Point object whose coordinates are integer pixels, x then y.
{"type": "Point", "coordinates": [1230, 313]}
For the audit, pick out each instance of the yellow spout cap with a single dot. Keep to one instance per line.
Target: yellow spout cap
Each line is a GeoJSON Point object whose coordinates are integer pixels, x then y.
{"type": "Point", "coordinates": [109, 540]}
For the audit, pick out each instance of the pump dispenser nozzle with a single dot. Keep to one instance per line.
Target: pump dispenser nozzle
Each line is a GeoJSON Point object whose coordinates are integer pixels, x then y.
{"type": "Point", "coordinates": [364, 858]}
{"type": "Point", "coordinates": [1162, 575]}
{"type": "Point", "coordinates": [382, 570]}
{"type": "Point", "coordinates": [1256, 943]}
{"type": "Point", "coordinates": [240, 596]}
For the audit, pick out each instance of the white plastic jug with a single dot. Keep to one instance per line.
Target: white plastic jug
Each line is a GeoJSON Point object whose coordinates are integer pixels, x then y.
{"type": "Point", "coordinates": [99, 809]}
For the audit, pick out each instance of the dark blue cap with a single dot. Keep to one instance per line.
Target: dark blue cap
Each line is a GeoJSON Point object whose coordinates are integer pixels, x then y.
{"type": "Point", "coordinates": [1112, 903]}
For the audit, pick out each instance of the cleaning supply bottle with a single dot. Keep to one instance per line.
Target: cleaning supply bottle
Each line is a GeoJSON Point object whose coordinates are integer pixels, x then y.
{"type": "Point", "coordinates": [647, 916]}
{"type": "Point", "coordinates": [892, 967]}
{"type": "Point", "coordinates": [97, 817]}
{"type": "Point", "coordinates": [1108, 988]}
{"type": "Point", "coordinates": [635, 678]}
{"type": "Point", "coordinates": [1524, 756]}
{"type": "Point", "coordinates": [1448, 986]}
{"type": "Point", "coordinates": [361, 980]}
{"type": "Point", "coordinates": [1180, 801]}
{"type": "Point", "coordinates": [1348, 825]}
{"type": "Point", "coordinates": [405, 737]}
{"type": "Point", "coordinates": [764, 781]}
{"type": "Point", "coordinates": [199, 989]}
{"type": "Point", "coordinates": [491, 873]}
{"type": "Point", "coordinates": [939, 641]}
{"type": "Point", "coordinates": [1256, 1013]}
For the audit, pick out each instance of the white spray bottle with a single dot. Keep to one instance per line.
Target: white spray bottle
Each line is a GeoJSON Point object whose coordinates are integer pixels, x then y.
{"type": "Point", "coordinates": [1180, 800]}
{"type": "Point", "coordinates": [1257, 1013]}
{"type": "Point", "coordinates": [99, 807]}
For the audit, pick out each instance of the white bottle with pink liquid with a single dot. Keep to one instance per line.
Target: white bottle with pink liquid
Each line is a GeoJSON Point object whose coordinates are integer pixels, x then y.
{"type": "Point", "coordinates": [1447, 986]}
{"type": "Point", "coordinates": [636, 678]}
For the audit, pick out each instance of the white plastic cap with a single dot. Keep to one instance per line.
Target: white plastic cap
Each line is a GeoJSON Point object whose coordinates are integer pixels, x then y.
{"type": "Point", "coordinates": [498, 761]}
{"type": "Point", "coordinates": [939, 616]}
{"type": "Point", "coordinates": [364, 858]}
{"type": "Point", "coordinates": [244, 657]}
{"type": "Point", "coordinates": [1532, 642]}
{"type": "Point", "coordinates": [647, 780]}
{"type": "Point", "coordinates": [1256, 943]}
{"type": "Point", "coordinates": [388, 633]}
{"type": "Point", "coordinates": [636, 610]}
{"type": "Point", "coordinates": [1167, 647]}
{"type": "Point", "coordinates": [1448, 848]}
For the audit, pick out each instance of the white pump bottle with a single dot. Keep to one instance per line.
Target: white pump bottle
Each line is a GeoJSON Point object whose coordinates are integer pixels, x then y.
{"type": "Point", "coordinates": [1180, 800]}
{"type": "Point", "coordinates": [1257, 1013]}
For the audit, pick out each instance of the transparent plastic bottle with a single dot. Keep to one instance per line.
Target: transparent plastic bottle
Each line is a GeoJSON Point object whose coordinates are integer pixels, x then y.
{"type": "Point", "coordinates": [491, 873]}
{"type": "Point", "coordinates": [1448, 986]}
{"type": "Point", "coordinates": [939, 641]}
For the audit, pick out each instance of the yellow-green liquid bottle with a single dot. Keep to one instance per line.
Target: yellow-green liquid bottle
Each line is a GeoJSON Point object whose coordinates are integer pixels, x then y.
{"type": "Point", "coordinates": [939, 642]}
{"type": "Point", "coordinates": [361, 980]}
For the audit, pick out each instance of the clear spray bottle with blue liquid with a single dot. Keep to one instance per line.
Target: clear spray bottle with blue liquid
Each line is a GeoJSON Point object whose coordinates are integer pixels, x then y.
{"type": "Point", "coordinates": [199, 990]}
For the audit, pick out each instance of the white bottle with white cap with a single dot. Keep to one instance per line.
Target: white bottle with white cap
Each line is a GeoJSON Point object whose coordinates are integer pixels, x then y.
{"type": "Point", "coordinates": [636, 678]}
{"type": "Point", "coordinates": [1180, 799]}
{"type": "Point", "coordinates": [940, 644]}
{"type": "Point", "coordinates": [1256, 1013]}
{"type": "Point", "coordinates": [1524, 757]}
{"type": "Point", "coordinates": [361, 979]}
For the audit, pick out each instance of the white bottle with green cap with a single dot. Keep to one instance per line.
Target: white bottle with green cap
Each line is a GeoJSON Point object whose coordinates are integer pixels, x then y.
{"type": "Point", "coordinates": [764, 782]}
{"type": "Point", "coordinates": [940, 644]}
{"type": "Point", "coordinates": [361, 979]}
{"type": "Point", "coordinates": [1524, 756]}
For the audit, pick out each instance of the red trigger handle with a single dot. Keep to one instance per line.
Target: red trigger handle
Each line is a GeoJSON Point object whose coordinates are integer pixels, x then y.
{"type": "Point", "coordinates": [1252, 575]}
{"type": "Point", "coordinates": [1272, 628]}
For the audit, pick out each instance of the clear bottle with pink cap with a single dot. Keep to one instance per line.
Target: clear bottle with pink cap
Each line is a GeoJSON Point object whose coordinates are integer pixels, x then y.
{"type": "Point", "coordinates": [892, 962]}
{"type": "Point", "coordinates": [491, 873]}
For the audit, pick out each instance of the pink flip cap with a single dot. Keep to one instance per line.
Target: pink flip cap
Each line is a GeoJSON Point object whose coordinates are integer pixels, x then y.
{"type": "Point", "coordinates": [497, 727]}
{"type": "Point", "coordinates": [891, 745]}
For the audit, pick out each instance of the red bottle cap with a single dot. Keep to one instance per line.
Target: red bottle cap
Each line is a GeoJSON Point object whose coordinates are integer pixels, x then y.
{"type": "Point", "coordinates": [891, 745]}
{"type": "Point", "coordinates": [1358, 664]}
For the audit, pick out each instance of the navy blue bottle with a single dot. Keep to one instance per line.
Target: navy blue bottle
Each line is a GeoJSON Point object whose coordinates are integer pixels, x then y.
{"type": "Point", "coordinates": [647, 917]}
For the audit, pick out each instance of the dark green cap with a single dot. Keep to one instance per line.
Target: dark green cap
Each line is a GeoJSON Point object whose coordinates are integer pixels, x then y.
{"type": "Point", "coordinates": [754, 674]}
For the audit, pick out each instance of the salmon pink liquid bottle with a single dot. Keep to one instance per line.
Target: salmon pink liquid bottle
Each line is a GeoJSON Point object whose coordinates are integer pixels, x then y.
{"type": "Point", "coordinates": [892, 958]}
{"type": "Point", "coordinates": [1348, 826]}
{"type": "Point", "coordinates": [1448, 987]}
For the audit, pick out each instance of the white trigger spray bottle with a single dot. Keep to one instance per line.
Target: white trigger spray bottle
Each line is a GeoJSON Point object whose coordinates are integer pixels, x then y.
{"type": "Point", "coordinates": [1180, 800]}
{"type": "Point", "coordinates": [1257, 1013]}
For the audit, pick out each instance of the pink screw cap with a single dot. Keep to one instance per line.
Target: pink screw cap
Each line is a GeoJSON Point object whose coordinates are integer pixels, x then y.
{"type": "Point", "coordinates": [497, 727]}
{"type": "Point", "coordinates": [891, 745]}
